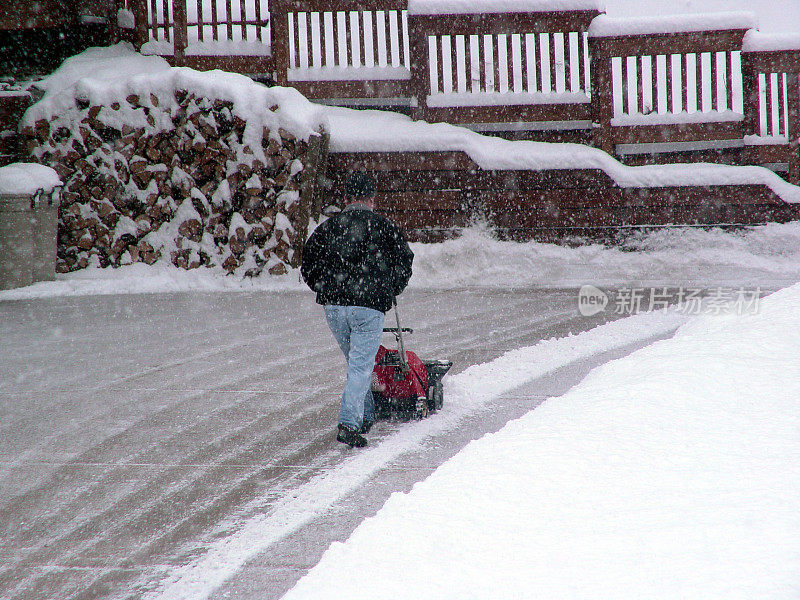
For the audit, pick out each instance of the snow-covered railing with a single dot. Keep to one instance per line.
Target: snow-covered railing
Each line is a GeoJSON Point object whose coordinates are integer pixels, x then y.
{"type": "Point", "coordinates": [771, 67]}
{"type": "Point", "coordinates": [343, 49]}
{"type": "Point", "coordinates": [704, 86]}
{"type": "Point", "coordinates": [668, 83]}
{"type": "Point", "coordinates": [520, 65]}
{"type": "Point", "coordinates": [231, 34]}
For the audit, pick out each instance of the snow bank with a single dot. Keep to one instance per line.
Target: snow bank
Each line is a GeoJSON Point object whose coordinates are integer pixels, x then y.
{"type": "Point", "coordinates": [606, 26]}
{"type": "Point", "coordinates": [376, 131]}
{"type": "Point", "coordinates": [767, 256]}
{"type": "Point", "coordinates": [454, 7]}
{"type": "Point", "coordinates": [672, 473]}
{"type": "Point", "coordinates": [27, 178]}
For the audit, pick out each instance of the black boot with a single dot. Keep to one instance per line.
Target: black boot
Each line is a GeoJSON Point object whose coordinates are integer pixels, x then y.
{"type": "Point", "coordinates": [350, 437]}
{"type": "Point", "coordinates": [366, 427]}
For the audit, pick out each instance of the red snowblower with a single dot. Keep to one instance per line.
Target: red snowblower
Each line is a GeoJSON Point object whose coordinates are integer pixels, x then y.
{"type": "Point", "coordinates": [402, 383]}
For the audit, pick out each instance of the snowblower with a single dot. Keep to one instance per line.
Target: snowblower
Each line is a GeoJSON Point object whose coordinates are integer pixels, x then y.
{"type": "Point", "coordinates": [402, 383]}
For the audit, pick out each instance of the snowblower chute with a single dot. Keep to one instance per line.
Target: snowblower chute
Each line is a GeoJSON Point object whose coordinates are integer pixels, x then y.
{"type": "Point", "coordinates": [404, 384]}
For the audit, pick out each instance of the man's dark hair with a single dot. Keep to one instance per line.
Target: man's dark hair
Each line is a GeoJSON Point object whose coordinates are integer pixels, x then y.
{"type": "Point", "coordinates": [359, 185]}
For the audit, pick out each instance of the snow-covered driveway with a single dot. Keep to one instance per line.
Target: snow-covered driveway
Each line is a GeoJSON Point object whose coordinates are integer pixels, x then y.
{"type": "Point", "coordinates": [134, 425]}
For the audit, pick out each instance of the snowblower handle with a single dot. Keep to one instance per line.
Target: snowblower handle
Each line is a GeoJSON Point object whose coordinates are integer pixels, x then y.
{"type": "Point", "coordinates": [404, 368]}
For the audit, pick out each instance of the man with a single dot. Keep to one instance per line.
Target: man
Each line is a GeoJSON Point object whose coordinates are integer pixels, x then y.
{"type": "Point", "coordinates": [357, 262]}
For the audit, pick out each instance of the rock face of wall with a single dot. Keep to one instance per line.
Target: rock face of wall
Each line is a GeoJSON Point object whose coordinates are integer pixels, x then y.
{"type": "Point", "coordinates": [173, 175]}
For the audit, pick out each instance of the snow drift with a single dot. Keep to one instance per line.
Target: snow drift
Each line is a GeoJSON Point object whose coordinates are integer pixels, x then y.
{"type": "Point", "coordinates": [671, 473]}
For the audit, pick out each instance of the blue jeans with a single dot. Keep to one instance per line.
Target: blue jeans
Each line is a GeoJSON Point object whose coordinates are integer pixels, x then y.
{"type": "Point", "coordinates": [358, 331]}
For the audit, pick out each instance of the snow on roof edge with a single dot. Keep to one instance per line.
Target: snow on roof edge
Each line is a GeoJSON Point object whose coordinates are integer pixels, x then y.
{"type": "Point", "coordinates": [457, 7]}
{"type": "Point", "coordinates": [605, 26]}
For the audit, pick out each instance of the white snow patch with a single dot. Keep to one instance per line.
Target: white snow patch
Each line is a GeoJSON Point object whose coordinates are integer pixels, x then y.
{"type": "Point", "coordinates": [767, 256]}
{"type": "Point", "coordinates": [361, 73]}
{"type": "Point", "coordinates": [757, 41]}
{"type": "Point", "coordinates": [676, 118]}
{"type": "Point", "coordinates": [765, 140]}
{"type": "Point", "coordinates": [670, 473]}
{"type": "Point", "coordinates": [228, 48]}
{"type": "Point", "coordinates": [607, 26]}
{"type": "Point", "coordinates": [158, 48]}
{"type": "Point", "coordinates": [28, 179]}
{"type": "Point", "coordinates": [454, 7]}
{"type": "Point", "coordinates": [102, 64]}
{"type": "Point", "coordinates": [773, 15]}
{"type": "Point", "coordinates": [126, 19]}
{"type": "Point", "coordinates": [448, 99]}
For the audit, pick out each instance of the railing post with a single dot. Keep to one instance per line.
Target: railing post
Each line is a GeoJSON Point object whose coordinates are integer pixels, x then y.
{"type": "Point", "coordinates": [750, 97]}
{"type": "Point", "coordinates": [602, 96]}
{"type": "Point", "coordinates": [139, 10]}
{"type": "Point", "coordinates": [793, 97]}
{"type": "Point", "coordinates": [113, 20]}
{"type": "Point", "coordinates": [180, 34]}
{"type": "Point", "coordinates": [279, 29]}
{"type": "Point", "coordinates": [419, 66]}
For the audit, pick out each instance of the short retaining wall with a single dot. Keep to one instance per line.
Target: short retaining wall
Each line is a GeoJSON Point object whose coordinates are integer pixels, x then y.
{"type": "Point", "coordinates": [434, 194]}
{"type": "Point", "coordinates": [28, 224]}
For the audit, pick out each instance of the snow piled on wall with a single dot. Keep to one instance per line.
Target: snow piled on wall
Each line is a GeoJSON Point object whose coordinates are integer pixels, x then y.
{"type": "Point", "coordinates": [27, 178]}
{"type": "Point", "coordinates": [377, 131]}
{"type": "Point", "coordinates": [607, 26]}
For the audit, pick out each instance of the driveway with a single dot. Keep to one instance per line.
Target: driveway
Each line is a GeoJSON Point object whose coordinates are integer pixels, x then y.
{"type": "Point", "coordinates": [132, 426]}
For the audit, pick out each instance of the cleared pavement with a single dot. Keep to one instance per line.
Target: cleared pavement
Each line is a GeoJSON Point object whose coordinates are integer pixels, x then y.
{"type": "Point", "coordinates": [132, 426]}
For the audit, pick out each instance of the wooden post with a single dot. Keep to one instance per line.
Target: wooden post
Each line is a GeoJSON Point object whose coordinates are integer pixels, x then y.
{"type": "Point", "coordinates": [418, 62]}
{"type": "Point", "coordinates": [180, 38]}
{"type": "Point", "coordinates": [793, 96]}
{"type": "Point", "coordinates": [279, 28]}
{"type": "Point", "coordinates": [139, 10]}
{"type": "Point", "coordinates": [602, 96]}
{"type": "Point", "coordinates": [750, 95]}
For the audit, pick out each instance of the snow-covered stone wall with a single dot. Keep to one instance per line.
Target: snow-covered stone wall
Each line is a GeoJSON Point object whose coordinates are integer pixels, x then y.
{"type": "Point", "coordinates": [175, 167]}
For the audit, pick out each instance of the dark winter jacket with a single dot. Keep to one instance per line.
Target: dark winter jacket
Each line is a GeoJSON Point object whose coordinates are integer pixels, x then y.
{"type": "Point", "coordinates": [357, 258]}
